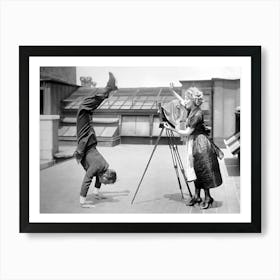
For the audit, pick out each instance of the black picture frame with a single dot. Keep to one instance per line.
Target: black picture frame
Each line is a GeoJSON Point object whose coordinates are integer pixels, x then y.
{"type": "Point", "coordinates": [25, 52]}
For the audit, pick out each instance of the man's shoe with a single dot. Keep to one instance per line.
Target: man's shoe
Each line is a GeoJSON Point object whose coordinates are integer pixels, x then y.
{"type": "Point", "coordinates": [111, 84]}
{"type": "Point", "coordinates": [84, 203]}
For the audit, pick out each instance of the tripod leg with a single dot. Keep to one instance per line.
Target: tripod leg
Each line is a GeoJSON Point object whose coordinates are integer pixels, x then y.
{"type": "Point", "coordinates": [147, 165]}
{"type": "Point", "coordinates": [182, 170]}
{"type": "Point", "coordinates": [170, 144]}
{"type": "Point", "coordinates": [179, 160]}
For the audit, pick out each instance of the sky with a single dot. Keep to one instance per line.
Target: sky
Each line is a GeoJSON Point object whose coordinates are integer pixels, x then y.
{"type": "Point", "coordinates": [155, 76]}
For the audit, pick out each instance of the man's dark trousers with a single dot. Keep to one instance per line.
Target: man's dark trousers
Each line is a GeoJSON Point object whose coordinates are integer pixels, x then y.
{"type": "Point", "coordinates": [92, 161]}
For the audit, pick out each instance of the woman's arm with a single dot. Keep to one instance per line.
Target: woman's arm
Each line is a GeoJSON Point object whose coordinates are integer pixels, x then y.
{"type": "Point", "coordinates": [184, 132]}
{"type": "Point", "coordinates": [176, 95]}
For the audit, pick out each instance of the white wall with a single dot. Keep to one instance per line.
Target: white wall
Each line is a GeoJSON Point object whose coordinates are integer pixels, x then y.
{"type": "Point", "coordinates": [225, 100]}
{"type": "Point", "coordinates": [138, 256]}
{"type": "Point", "coordinates": [48, 136]}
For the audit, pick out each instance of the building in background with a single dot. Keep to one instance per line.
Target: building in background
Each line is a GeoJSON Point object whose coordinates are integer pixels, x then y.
{"type": "Point", "coordinates": [56, 84]}
{"type": "Point", "coordinates": [130, 115]}
{"type": "Point", "coordinates": [222, 97]}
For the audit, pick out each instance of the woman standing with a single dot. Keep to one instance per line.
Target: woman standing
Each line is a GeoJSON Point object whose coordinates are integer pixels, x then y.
{"type": "Point", "coordinates": [204, 152]}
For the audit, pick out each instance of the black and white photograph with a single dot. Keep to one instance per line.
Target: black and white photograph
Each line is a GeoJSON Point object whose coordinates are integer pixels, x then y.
{"type": "Point", "coordinates": [141, 139]}
{"type": "Point", "coordinates": [97, 137]}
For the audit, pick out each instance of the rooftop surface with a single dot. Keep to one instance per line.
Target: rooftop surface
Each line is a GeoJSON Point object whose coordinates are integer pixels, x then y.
{"type": "Point", "coordinates": [159, 192]}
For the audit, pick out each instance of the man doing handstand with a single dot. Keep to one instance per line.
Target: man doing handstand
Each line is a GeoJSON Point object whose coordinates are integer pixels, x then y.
{"type": "Point", "coordinates": [86, 153]}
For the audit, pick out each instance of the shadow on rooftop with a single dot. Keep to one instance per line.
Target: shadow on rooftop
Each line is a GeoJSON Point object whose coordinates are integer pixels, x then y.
{"type": "Point", "coordinates": [145, 201]}
{"type": "Point", "coordinates": [177, 197]}
{"type": "Point", "coordinates": [109, 196]}
{"type": "Point", "coordinates": [117, 193]}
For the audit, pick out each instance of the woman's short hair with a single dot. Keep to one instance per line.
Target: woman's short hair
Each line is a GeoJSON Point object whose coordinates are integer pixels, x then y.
{"type": "Point", "coordinates": [195, 95]}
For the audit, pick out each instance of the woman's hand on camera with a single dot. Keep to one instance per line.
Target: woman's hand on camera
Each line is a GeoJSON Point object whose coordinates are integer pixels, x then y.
{"type": "Point", "coordinates": [167, 126]}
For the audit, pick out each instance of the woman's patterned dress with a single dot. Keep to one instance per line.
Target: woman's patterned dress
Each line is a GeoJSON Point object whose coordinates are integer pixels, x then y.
{"type": "Point", "coordinates": [204, 152]}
